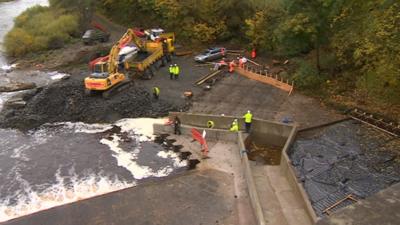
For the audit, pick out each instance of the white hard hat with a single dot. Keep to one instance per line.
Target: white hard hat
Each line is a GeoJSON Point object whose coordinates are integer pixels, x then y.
{"type": "Point", "coordinates": [248, 111]}
{"type": "Point", "coordinates": [235, 119]}
{"type": "Point", "coordinates": [175, 65]}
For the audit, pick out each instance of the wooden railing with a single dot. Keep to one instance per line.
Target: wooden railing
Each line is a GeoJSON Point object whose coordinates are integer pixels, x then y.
{"type": "Point", "coordinates": [262, 76]}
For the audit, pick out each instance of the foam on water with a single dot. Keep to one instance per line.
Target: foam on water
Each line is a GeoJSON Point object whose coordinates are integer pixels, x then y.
{"type": "Point", "coordinates": [141, 126]}
{"type": "Point", "coordinates": [127, 159]}
{"type": "Point", "coordinates": [80, 127]}
{"type": "Point", "coordinates": [73, 186]}
{"type": "Point", "coordinates": [59, 194]}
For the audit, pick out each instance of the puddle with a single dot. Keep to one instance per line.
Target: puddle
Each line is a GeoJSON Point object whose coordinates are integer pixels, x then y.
{"type": "Point", "coordinates": [267, 154]}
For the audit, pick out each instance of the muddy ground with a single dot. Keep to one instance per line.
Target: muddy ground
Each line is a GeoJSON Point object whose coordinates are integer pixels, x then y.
{"type": "Point", "coordinates": [230, 95]}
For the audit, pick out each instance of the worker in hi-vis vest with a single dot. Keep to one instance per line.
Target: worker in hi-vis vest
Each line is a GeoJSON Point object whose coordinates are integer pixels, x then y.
{"type": "Point", "coordinates": [176, 71]}
{"type": "Point", "coordinates": [171, 72]}
{"type": "Point", "coordinates": [248, 117]}
{"type": "Point", "coordinates": [156, 92]}
{"type": "Point", "coordinates": [234, 126]}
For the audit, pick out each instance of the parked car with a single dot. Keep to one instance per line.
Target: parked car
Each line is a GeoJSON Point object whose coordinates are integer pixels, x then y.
{"type": "Point", "coordinates": [93, 35]}
{"type": "Point", "coordinates": [210, 55]}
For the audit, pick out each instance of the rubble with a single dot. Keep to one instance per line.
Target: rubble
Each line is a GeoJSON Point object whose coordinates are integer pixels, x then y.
{"type": "Point", "coordinates": [66, 101]}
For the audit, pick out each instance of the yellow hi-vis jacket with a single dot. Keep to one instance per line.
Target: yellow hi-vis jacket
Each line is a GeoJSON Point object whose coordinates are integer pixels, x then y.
{"type": "Point", "coordinates": [156, 91]}
{"type": "Point", "coordinates": [248, 117]}
{"type": "Point", "coordinates": [234, 127]}
{"type": "Point", "coordinates": [171, 69]}
{"type": "Point", "coordinates": [177, 70]}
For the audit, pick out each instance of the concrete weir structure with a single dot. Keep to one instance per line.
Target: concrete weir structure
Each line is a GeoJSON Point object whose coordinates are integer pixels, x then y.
{"type": "Point", "coordinates": [274, 193]}
{"type": "Point", "coordinates": [226, 188]}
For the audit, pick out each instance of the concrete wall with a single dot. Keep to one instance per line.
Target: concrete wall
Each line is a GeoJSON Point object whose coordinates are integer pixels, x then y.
{"type": "Point", "coordinates": [287, 168]}
{"type": "Point", "coordinates": [264, 132]}
{"type": "Point", "coordinates": [251, 185]}
{"type": "Point", "coordinates": [212, 134]}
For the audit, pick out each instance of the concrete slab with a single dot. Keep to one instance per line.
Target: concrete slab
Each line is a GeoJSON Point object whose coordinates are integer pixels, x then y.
{"type": "Point", "coordinates": [382, 208]}
{"type": "Point", "coordinates": [234, 95]}
{"type": "Point", "coordinates": [223, 156]}
{"type": "Point", "coordinates": [279, 202]}
{"type": "Point", "coordinates": [199, 197]}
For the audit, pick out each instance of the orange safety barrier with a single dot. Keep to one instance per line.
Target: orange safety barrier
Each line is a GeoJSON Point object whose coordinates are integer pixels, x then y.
{"type": "Point", "coordinates": [168, 121]}
{"type": "Point", "coordinates": [198, 137]}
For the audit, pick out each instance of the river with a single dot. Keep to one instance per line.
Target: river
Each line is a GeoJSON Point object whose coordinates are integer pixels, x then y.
{"type": "Point", "coordinates": [65, 162]}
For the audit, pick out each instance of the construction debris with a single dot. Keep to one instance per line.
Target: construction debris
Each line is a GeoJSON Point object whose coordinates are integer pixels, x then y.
{"type": "Point", "coordinates": [207, 77]}
{"type": "Point", "coordinates": [236, 51]}
{"type": "Point", "coordinates": [251, 61]}
{"type": "Point", "coordinates": [390, 127]}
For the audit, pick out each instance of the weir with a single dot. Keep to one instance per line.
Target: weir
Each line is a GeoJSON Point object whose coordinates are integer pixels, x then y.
{"type": "Point", "coordinates": [265, 191]}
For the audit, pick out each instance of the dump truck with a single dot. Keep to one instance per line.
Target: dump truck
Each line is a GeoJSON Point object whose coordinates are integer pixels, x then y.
{"type": "Point", "coordinates": [96, 34]}
{"type": "Point", "coordinates": [113, 72]}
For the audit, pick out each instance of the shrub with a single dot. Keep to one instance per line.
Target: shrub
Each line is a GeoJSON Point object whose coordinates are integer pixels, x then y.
{"type": "Point", "coordinates": [205, 33]}
{"type": "Point", "coordinates": [40, 28]}
{"type": "Point", "coordinates": [306, 76]}
{"type": "Point", "coordinates": [18, 42]}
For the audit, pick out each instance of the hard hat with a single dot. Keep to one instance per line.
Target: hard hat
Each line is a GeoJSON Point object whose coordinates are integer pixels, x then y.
{"type": "Point", "coordinates": [170, 65]}
{"type": "Point", "coordinates": [248, 111]}
{"type": "Point", "coordinates": [235, 119]}
{"type": "Point", "coordinates": [175, 65]}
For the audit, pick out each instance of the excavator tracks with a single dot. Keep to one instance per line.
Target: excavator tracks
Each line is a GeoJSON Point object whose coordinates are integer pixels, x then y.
{"type": "Point", "coordinates": [116, 89]}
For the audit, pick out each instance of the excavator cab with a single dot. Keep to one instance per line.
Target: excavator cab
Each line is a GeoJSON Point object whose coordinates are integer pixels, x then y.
{"type": "Point", "coordinates": [169, 40]}
{"type": "Point", "coordinates": [100, 79]}
{"type": "Point", "coordinates": [99, 70]}
{"type": "Point", "coordinates": [100, 67]}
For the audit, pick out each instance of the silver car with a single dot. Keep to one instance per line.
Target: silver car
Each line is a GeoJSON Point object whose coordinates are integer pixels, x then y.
{"type": "Point", "coordinates": [210, 54]}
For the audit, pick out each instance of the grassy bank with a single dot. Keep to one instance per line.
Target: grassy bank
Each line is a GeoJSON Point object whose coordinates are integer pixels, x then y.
{"type": "Point", "coordinates": [40, 28]}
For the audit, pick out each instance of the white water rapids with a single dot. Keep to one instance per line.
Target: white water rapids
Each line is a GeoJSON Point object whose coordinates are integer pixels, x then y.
{"type": "Point", "coordinates": [65, 162]}
{"type": "Point", "coordinates": [32, 192]}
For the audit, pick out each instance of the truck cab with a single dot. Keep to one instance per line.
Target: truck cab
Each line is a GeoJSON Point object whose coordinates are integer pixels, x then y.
{"type": "Point", "coordinates": [93, 35]}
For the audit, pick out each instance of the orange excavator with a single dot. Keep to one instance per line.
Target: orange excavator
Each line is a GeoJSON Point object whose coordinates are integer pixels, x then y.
{"type": "Point", "coordinates": [130, 57]}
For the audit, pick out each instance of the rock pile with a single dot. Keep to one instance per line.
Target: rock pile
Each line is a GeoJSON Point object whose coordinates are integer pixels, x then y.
{"type": "Point", "coordinates": [66, 101]}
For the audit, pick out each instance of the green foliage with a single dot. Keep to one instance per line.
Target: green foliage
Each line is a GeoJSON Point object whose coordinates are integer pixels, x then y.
{"type": "Point", "coordinates": [257, 35]}
{"type": "Point", "coordinates": [39, 28]}
{"type": "Point", "coordinates": [367, 38]}
{"type": "Point", "coordinates": [307, 76]}
{"type": "Point", "coordinates": [198, 21]}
